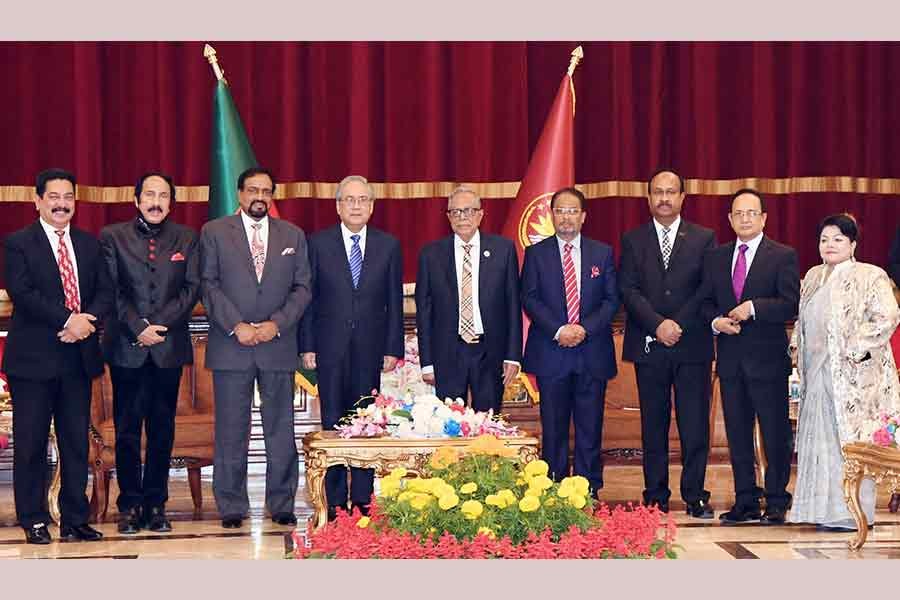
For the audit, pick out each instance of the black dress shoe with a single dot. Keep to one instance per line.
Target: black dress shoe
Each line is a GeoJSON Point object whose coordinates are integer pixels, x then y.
{"type": "Point", "coordinates": [79, 533]}
{"type": "Point", "coordinates": [740, 514]}
{"type": "Point", "coordinates": [130, 521]}
{"type": "Point", "coordinates": [700, 509]}
{"type": "Point", "coordinates": [284, 519]}
{"type": "Point", "coordinates": [662, 506]}
{"type": "Point", "coordinates": [774, 515]}
{"type": "Point", "coordinates": [156, 520]}
{"type": "Point", "coordinates": [364, 509]}
{"type": "Point", "coordinates": [37, 534]}
{"type": "Point", "coordinates": [232, 521]}
{"type": "Point", "coordinates": [333, 511]}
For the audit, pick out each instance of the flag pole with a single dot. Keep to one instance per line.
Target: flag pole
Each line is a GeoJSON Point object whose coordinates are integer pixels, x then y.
{"type": "Point", "coordinates": [577, 55]}
{"type": "Point", "coordinates": [209, 53]}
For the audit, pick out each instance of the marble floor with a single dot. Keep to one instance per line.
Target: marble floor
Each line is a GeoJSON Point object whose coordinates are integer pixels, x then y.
{"type": "Point", "coordinates": [202, 537]}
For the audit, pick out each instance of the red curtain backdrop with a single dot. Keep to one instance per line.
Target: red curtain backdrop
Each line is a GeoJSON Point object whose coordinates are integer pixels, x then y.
{"type": "Point", "coordinates": [467, 112]}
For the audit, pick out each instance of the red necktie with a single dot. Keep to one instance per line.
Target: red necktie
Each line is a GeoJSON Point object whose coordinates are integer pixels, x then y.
{"type": "Point", "coordinates": [67, 274]}
{"type": "Point", "coordinates": [573, 304]}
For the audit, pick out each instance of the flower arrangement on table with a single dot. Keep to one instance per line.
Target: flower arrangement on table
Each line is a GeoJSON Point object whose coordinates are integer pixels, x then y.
{"type": "Point", "coordinates": [485, 504]}
{"type": "Point", "coordinates": [421, 416]}
{"type": "Point", "coordinates": [406, 378]}
{"type": "Point", "coordinates": [888, 432]}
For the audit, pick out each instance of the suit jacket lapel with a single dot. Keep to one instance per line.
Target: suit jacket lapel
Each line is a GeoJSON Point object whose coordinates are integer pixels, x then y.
{"type": "Point", "coordinates": [274, 245]}
{"type": "Point", "coordinates": [586, 263]}
{"type": "Point", "coordinates": [678, 241]}
{"type": "Point", "coordinates": [450, 257]}
{"type": "Point", "coordinates": [46, 250]}
{"type": "Point", "coordinates": [756, 266]}
{"type": "Point", "coordinates": [727, 270]}
{"type": "Point", "coordinates": [239, 235]}
{"type": "Point", "coordinates": [556, 270]}
{"type": "Point", "coordinates": [653, 240]}
{"type": "Point", "coordinates": [83, 268]}
{"type": "Point", "coordinates": [371, 245]}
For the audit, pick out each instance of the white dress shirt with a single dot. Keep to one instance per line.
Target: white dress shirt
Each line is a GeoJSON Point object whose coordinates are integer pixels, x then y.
{"type": "Point", "coordinates": [576, 260]}
{"type": "Point", "coordinates": [752, 247]}
{"type": "Point", "coordinates": [54, 244]}
{"type": "Point", "coordinates": [263, 231]}
{"type": "Point", "coordinates": [348, 243]}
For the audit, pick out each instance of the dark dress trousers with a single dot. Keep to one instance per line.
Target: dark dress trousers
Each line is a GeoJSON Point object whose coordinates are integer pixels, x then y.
{"type": "Point", "coordinates": [351, 330]}
{"type": "Point", "coordinates": [157, 281]}
{"type": "Point", "coordinates": [49, 378]}
{"type": "Point", "coordinates": [571, 381]}
{"type": "Point", "coordinates": [232, 294]}
{"type": "Point", "coordinates": [652, 293]}
{"type": "Point", "coordinates": [754, 365]}
{"type": "Point", "coordinates": [459, 365]}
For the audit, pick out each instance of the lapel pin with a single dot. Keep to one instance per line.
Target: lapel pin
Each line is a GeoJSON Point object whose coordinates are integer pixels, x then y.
{"type": "Point", "coordinates": [487, 253]}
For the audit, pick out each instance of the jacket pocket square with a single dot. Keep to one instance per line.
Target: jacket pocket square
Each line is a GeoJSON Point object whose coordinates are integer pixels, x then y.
{"type": "Point", "coordinates": [178, 256]}
{"type": "Point", "coordinates": [288, 251]}
{"type": "Point", "coordinates": [595, 271]}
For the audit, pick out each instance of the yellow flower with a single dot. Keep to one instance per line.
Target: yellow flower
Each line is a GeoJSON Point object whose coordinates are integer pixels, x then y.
{"type": "Point", "coordinates": [472, 509]}
{"type": "Point", "coordinates": [529, 504]}
{"type": "Point", "coordinates": [468, 488]}
{"type": "Point", "coordinates": [443, 489]}
{"type": "Point", "coordinates": [551, 501]}
{"type": "Point", "coordinates": [577, 500]}
{"type": "Point", "coordinates": [542, 482]}
{"type": "Point", "coordinates": [520, 481]}
{"type": "Point", "coordinates": [390, 487]}
{"type": "Point", "coordinates": [420, 501]}
{"type": "Point", "coordinates": [448, 501]}
{"type": "Point", "coordinates": [444, 457]}
{"type": "Point", "coordinates": [495, 500]}
{"type": "Point", "coordinates": [490, 445]}
{"type": "Point", "coordinates": [363, 522]}
{"type": "Point", "coordinates": [536, 467]}
{"type": "Point", "coordinates": [533, 491]}
{"type": "Point", "coordinates": [579, 483]}
{"type": "Point", "coordinates": [419, 485]}
{"type": "Point", "coordinates": [508, 496]}
{"type": "Point", "coordinates": [565, 489]}
{"type": "Point", "coordinates": [398, 472]}
{"type": "Point", "coordinates": [405, 495]}
{"type": "Point", "coordinates": [488, 532]}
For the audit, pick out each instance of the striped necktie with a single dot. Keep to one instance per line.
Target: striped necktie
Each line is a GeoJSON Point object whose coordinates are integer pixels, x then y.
{"type": "Point", "coordinates": [466, 306]}
{"type": "Point", "coordinates": [67, 274]}
{"type": "Point", "coordinates": [356, 260]}
{"type": "Point", "coordinates": [666, 247]}
{"type": "Point", "coordinates": [573, 303]}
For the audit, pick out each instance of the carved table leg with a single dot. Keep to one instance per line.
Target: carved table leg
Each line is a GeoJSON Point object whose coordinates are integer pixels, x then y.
{"type": "Point", "coordinates": [315, 481]}
{"type": "Point", "coordinates": [196, 489]}
{"type": "Point", "coordinates": [852, 479]}
{"type": "Point", "coordinates": [56, 482]}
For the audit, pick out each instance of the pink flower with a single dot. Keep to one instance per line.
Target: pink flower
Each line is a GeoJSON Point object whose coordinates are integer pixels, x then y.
{"type": "Point", "coordinates": [882, 438]}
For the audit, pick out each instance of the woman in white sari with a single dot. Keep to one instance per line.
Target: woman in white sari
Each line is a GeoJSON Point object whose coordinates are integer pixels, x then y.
{"type": "Point", "coordinates": [848, 376]}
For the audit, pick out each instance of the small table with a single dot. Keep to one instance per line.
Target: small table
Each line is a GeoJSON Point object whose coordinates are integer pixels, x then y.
{"type": "Point", "coordinates": [863, 460]}
{"type": "Point", "coordinates": [323, 449]}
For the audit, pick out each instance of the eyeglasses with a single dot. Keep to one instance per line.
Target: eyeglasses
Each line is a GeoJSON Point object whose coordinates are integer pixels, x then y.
{"type": "Point", "coordinates": [660, 193]}
{"type": "Point", "coordinates": [356, 200]}
{"type": "Point", "coordinates": [458, 213]}
{"type": "Point", "coordinates": [567, 211]}
{"type": "Point", "coordinates": [254, 191]}
{"type": "Point", "coordinates": [740, 214]}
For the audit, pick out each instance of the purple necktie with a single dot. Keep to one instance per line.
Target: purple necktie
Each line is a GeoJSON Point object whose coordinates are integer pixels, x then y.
{"type": "Point", "coordinates": [740, 272]}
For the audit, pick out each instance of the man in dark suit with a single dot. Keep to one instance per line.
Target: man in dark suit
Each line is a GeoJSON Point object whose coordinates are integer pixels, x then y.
{"type": "Point", "coordinates": [754, 287]}
{"type": "Point", "coordinates": [256, 284]}
{"type": "Point", "coordinates": [155, 268]}
{"type": "Point", "coordinates": [468, 313]}
{"type": "Point", "coordinates": [59, 285]}
{"type": "Point", "coordinates": [569, 292]}
{"type": "Point", "coordinates": [354, 328]}
{"type": "Point", "coordinates": [671, 347]}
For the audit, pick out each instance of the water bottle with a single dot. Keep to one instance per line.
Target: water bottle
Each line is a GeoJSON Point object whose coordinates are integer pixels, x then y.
{"type": "Point", "coordinates": [794, 385]}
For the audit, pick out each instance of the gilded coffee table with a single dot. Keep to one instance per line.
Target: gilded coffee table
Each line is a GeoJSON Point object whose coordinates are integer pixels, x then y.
{"type": "Point", "coordinates": [862, 460]}
{"type": "Point", "coordinates": [324, 449]}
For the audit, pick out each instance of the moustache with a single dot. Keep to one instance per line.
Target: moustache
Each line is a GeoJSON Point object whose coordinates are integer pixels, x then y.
{"type": "Point", "coordinates": [156, 209]}
{"type": "Point", "coordinates": [61, 209]}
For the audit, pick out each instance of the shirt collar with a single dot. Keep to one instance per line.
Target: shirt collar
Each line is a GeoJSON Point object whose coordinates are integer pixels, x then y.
{"type": "Point", "coordinates": [673, 228]}
{"type": "Point", "coordinates": [576, 242]}
{"type": "Point", "coordinates": [50, 229]}
{"type": "Point", "coordinates": [248, 221]}
{"type": "Point", "coordinates": [753, 244]}
{"type": "Point", "coordinates": [346, 233]}
{"type": "Point", "coordinates": [475, 241]}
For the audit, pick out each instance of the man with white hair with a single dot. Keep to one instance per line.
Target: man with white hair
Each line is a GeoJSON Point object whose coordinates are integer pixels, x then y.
{"type": "Point", "coordinates": [354, 328]}
{"type": "Point", "coordinates": [468, 311]}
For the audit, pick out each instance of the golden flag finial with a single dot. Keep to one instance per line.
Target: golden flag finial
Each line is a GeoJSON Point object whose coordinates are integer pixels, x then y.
{"type": "Point", "coordinates": [577, 55]}
{"type": "Point", "coordinates": [210, 54]}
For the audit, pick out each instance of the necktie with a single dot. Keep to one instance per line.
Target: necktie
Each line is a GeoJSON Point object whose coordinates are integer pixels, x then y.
{"type": "Point", "coordinates": [258, 250]}
{"type": "Point", "coordinates": [666, 247]}
{"type": "Point", "coordinates": [355, 260]}
{"type": "Point", "coordinates": [67, 274]}
{"type": "Point", "coordinates": [739, 276]}
{"type": "Point", "coordinates": [466, 309]}
{"type": "Point", "coordinates": [573, 304]}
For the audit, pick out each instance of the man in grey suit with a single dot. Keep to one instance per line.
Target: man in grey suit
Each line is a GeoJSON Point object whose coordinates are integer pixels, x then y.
{"type": "Point", "coordinates": [255, 279]}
